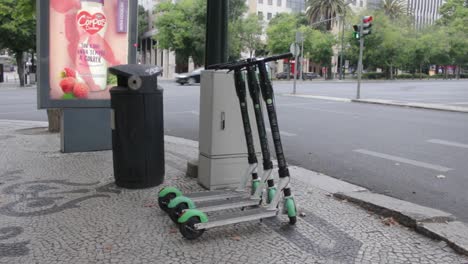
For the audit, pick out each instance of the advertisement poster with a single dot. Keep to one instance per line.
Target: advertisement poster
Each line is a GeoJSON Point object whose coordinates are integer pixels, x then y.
{"type": "Point", "coordinates": [86, 37]}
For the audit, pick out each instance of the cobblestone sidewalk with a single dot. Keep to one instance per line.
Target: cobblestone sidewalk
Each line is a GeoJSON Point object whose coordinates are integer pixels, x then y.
{"type": "Point", "coordinates": [64, 208]}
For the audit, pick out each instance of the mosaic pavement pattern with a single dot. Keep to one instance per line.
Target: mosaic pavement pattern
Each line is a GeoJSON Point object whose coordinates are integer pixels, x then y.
{"type": "Point", "coordinates": [64, 208]}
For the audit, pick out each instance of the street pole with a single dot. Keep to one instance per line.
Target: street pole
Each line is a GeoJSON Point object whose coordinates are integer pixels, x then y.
{"type": "Point", "coordinates": [342, 44]}
{"type": "Point", "coordinates": [302, 56]}
{"type": "Point", "coordinates": [216, 48]}
{"type": "Point", "coordinates": [295, 75]}
{"type": "Point", "coordinates": [361, 47]}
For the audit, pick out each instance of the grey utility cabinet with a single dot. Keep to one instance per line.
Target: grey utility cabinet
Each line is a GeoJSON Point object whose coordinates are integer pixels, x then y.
{"type": "Point", "coordinates": [222, 147]}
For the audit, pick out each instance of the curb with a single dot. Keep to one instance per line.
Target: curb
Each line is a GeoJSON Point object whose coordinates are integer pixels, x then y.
{"type": "Point", "coordinates": [427, 221]}
{"type": "Point", "coordinates": [439, 107]}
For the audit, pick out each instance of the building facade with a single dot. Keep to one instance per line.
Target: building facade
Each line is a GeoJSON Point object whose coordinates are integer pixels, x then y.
{"type": "Point", "coordinates": [267, 9]}
{"type": "Point", "coordinates": [148, 50]}
{"type": "Point", "coordinates": [425, 12]}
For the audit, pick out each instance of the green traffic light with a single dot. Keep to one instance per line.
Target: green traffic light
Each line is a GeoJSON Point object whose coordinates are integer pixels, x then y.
{"type": "Point", "coordinates": [356, 35]}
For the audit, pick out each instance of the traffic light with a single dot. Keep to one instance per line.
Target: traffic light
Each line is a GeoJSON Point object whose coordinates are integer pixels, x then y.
{"type": "Point", "coordinates": [356, 33]}
{"type": "Point", "coordinates": [366, 25]}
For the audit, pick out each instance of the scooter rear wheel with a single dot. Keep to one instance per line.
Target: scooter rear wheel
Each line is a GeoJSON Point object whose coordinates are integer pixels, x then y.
{"type": "Point", "coordinates": [176, 212]}
{"type": "Point", "coordinates": [292, 220]}
{"type": "Point", "coordinates": [164, 201]}
{"type": "Point", "coordinates": [188, 230]}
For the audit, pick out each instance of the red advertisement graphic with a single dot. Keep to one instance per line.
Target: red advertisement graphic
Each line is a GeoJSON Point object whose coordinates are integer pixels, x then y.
{"type": "Point", "coordinates": [86, 38]}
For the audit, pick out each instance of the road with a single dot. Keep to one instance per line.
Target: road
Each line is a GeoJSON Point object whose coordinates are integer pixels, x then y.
{"type": "Point", "coordinates": [412, 154]}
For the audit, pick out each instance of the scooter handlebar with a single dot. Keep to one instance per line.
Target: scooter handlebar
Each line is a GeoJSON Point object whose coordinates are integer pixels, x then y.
{"type": "Point", "coordinates": [220, 65]}
{"type": "Point", "coordinates": [278, 57]}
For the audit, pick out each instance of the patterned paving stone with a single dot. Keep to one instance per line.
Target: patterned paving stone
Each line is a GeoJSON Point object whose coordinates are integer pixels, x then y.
{"type": "Point", "coordinates": [64, 208]}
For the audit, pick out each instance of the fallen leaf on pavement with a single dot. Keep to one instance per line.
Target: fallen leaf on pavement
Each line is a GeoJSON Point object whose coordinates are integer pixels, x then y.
{"type": "Point", "coordinates": [236, 238]}
{"type": "Point", "coordinates": [389, 221]}
{"type": "Point", "coordinates": [149, 204]}
{"type": "Point", "coordinates": [107, 247]}
{"type": "Point", "coordinates": [173, 230]}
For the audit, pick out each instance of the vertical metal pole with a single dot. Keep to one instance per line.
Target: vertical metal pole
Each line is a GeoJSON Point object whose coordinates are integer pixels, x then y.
{"type": "Point", "coordinates": [216, 49]}
{"type": "Point", "coordinates": [342, 44]}
{"type": "Point", "coordinates": [361, 47]}
{"type": "Point", "coordinates": [302, 56]}
{"type": "Point", "coordinates": [295, 73]}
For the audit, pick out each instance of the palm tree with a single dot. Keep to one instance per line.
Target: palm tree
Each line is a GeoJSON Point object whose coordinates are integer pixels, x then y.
{"type": "Point", "coordinates": [318, 10]}
{"type": "Point", "coordinates": [394, 8]}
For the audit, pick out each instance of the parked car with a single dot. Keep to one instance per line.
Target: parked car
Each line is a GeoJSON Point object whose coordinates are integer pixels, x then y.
{"type": "Point", "coordinates": [284, 75]}
{"type": "Point", "coordinates": [189, 78]}
{"type": "Point", "coordinates": [309, 75]}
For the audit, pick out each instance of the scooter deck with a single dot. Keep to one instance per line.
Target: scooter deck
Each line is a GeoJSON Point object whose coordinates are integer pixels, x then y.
{"type": "Point", "coordinates": [217, 205]}
{"type": "Point", "coordinates": [214, 195]}
{"type": "Point", "coordinates": [237, 217]}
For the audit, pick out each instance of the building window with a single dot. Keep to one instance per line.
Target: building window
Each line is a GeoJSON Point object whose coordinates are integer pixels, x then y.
{"type": "Point", "coordinates": [279, 3]}
{"type": "Point", "coordinates": [260, 1]}
{"type": "Point", "coordinates": [269, 15]}
{"type": "Point", "coordinates": [260, 15]}
{"type": "Point", "coordinates": [270, 2]}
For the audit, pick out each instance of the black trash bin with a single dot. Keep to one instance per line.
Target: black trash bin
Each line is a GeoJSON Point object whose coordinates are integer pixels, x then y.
{"type": "Point", "coordinates": [137, 126]}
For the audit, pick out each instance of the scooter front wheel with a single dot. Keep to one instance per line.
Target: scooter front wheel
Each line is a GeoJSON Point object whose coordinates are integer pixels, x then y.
{"type": "Point", "coordinates": [187, 229]}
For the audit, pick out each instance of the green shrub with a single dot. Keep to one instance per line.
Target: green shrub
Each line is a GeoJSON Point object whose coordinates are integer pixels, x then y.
{"type": "Point", "coordinates": [412, 76]}
{"type": "Point", "coordinates": [437, 76]}
{"type": "Point", "coordinates": [373, 75]}
{"type": "Point", "coordinates": [404, 76]}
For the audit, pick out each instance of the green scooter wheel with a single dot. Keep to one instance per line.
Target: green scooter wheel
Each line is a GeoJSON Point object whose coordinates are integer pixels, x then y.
{"type": "Point", "coordinates": [187, 229]}
{"type": "Point", "coordinates": [176, 212]}
{"type": "Point", "coordinates": [291, 210]}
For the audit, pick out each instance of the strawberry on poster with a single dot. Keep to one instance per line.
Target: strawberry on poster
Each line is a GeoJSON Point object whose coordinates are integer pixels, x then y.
{"type": "Point", "coordinates": [86, 37]}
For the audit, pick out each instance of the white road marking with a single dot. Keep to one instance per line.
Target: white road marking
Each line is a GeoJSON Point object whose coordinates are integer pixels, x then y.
{"type": "Point", "coordinates": [185, 112]}
{"type": "Point", "coordinates": [404, 160]}
{"type": "Point", "coordinates": [329, 111]}
{"type": "Point", "coordinates": [448, 143]}
{"type": "Point", "coordinates": [18, 112]}
{"type": "Point", "coordinates": [460, 103]}
{"type": "Point", "coordinates": [338, 99]}
{"type": "Point", "coordinates": [284, 133]}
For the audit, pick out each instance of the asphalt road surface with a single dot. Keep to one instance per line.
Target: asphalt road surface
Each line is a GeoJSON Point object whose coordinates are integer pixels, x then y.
{"type": "Point", "coordinates": [413, 154]}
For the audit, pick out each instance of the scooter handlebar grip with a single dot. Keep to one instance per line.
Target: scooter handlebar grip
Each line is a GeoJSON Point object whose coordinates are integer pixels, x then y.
{"type": "Point", "coordinates": [278, 57]}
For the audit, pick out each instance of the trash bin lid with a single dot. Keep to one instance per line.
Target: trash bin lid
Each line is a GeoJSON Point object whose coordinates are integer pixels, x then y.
{"type": "Point", "coordinates": [136, 77]}
{"type": "Point", "coordinates": [128, 70]}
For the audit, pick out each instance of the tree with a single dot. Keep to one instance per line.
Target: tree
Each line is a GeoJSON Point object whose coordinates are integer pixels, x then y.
{"type": "Point", "coordinates": [18, 30]}
{"type": "Point", "coordinates": [318, 45]}
{"type": "Point", "coordinates": [318, 10]}
{"type": "Point", "coordinates": [394, 9]}
{"type": "Point", "coordinates": [454, 21]}
{"type": "Point", "coordinates": [245, 35]}
{"type": "Point", "coordinates": [182, 26]}
{"type": "Point", "coordinates": [281, 32]}
{"type": "Point", "coordinates": [142, 20]}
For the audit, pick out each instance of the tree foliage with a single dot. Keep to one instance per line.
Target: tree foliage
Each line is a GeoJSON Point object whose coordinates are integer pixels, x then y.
{"type": "Point", "coordinates": [394, 43]}
{"type": "Point", "coordinates": [394, 9]}
{"type": "Point", "coordinates": [281, 32]}
{"type": "Point", "coordinates": [319, 10]}
{"type": "Point", "coordinates": [245, 35]}
{"type": "Point", "coordinates": [182, 28]}
{"type": "Point", "coordinates": [142, 20]}
{"type": "Point", "coordinates": [18, 29]}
